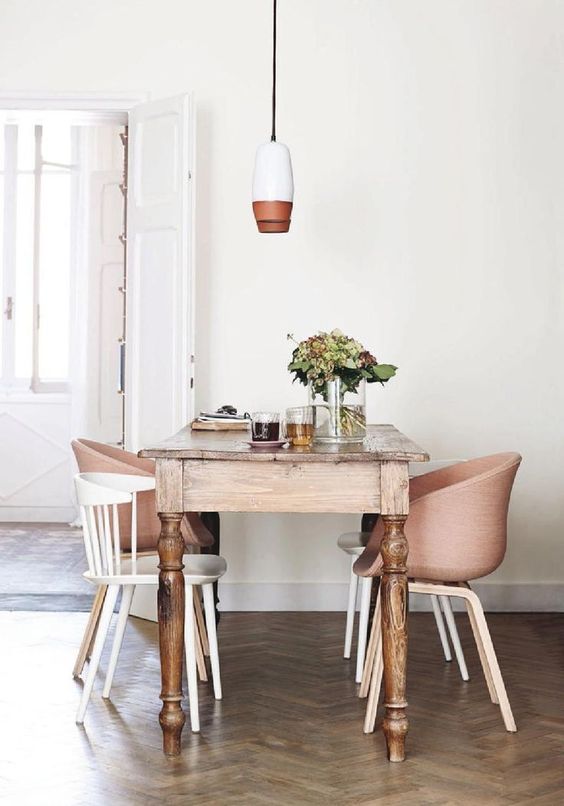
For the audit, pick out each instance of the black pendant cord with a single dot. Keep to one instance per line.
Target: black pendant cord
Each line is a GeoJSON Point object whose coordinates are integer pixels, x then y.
{"type": "Point", "coordinates": [273, 136]}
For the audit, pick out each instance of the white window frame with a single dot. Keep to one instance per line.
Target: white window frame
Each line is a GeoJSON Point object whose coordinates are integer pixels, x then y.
{"type": "Point", "coordinates": [9, 381]}
{"type": "Point", "coordinates": [8, 263]}
{"type": "Point", "coordinates": [38, 385]}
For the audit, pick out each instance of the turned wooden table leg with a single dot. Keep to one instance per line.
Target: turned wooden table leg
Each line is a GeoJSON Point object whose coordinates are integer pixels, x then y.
{"type": "Point", "coordinates": [394, 633]}
{"type": "Point", "coordinates": [171, 629]}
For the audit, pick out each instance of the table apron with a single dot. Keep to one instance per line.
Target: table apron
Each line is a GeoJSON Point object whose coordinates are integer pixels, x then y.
{"type": "Point", "coordinates": [280, 486]}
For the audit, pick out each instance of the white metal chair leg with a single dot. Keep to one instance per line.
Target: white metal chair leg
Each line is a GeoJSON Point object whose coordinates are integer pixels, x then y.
{"type": "Point", "coordinates": [351, 610]}
{"type": "Point", "coordinates": [103, 626]}
{"type": "Point", "coordinates": [441, 627]}
{"type": "Point", "coordinates": [212, 639]}
{"type": "Point", "coordinates": [451, 623]}
{"type": "Point", "coordinates": [365, 591]}
{"type": "Point", "coordinates": [126, 597]}
{"type": "Point", "coordinates": [489, 650]}
{"type": "Point", "coordinates": [191, 671]}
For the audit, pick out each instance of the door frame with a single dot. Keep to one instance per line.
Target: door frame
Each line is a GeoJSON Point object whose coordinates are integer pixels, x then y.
{"type": "Point", "coordinates": [112, 107]}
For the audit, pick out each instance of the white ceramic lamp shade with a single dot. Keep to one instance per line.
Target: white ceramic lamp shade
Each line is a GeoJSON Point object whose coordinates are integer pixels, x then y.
{"type": "Point", "coordinates": [273, 187]}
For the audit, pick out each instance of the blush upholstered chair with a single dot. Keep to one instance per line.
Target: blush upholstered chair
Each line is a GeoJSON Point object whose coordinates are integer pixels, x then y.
{"type": "Point", "coordinates": [457, 531]}
{"type": "Point", "coordinates": [353, 544]}
{"type": "Point", "coordinates": [96, 457]}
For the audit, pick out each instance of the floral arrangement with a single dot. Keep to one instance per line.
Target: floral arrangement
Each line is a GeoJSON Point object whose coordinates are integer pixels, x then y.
{"type": "Point", "coordinates": [325, 356]}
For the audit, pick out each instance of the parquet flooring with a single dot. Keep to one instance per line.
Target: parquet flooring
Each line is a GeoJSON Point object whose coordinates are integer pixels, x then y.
{"type": "Point", "coordinates": [289, 730]}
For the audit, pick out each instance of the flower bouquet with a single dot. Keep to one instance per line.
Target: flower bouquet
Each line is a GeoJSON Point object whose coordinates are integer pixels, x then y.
{"type": "Point", "coordinates": [336, 368]}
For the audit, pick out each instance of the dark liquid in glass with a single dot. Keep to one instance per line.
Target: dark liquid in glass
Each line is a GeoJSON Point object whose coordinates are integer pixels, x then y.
{"type": "Point", "coordinates": [266, 432]}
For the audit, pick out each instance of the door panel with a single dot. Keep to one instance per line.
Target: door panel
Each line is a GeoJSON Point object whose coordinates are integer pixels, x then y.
{"type": "Point", "coordinates": [105, 308]}
{"type": "Point", "coordinates": [35, 459]}
{"type": "Point", "coordinates": [159, 411]}
{"type": "Point", "coordinates": [158, 270]}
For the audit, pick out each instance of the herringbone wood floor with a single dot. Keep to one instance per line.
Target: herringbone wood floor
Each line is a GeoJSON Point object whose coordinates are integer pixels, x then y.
{"type": "Point", "coordinates": [289, 730]}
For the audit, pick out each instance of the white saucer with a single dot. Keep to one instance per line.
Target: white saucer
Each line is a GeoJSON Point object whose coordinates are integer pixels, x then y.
{"type": "Point", "coordinates": [263, 443]}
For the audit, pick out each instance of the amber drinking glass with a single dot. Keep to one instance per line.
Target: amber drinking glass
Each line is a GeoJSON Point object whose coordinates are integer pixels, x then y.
{"type": "Point", "coordinates": [299, 425]}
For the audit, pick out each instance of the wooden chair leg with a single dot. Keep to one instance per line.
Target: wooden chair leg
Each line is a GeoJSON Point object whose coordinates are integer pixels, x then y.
{"type": "Point", "coordinates": [90, 632]}
{"type": "Point", "coordinates": [214, 652]}
{"type": "Point", "coordinates": [491, 657]}
{"type": "Point", "coordinates": [94, 633]}
{"type": "Point", "coordinates": [481, 653]}
{"type": "Point", "coordinates": [200, 660]}
{"type": "Point", "coordinates": [375, 686]}
{"type": "Point", "coordinates": [200, 623]}
{"type": "Point", "coordinates": [351, 611]}
{"type": "Point", "coordinates": [105, 620]}
{"type": "Point", "coordinates": [126, 597]}
{"type": "Point", "coordinates": [365, 590]}
{"type": "Point", "coordinates": [371, 651]}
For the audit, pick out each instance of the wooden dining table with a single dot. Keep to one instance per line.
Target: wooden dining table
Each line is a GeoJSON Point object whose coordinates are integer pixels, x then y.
{"type": "Point", "coordinates": [202, 471]}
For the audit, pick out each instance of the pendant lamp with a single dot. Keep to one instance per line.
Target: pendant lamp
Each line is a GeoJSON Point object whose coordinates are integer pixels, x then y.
{"type": "Point", "coordinates": [273, 183]}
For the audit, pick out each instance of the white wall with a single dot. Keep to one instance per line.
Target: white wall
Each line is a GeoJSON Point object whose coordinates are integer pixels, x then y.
{"type": "Point", "coordinates": [427, 141]}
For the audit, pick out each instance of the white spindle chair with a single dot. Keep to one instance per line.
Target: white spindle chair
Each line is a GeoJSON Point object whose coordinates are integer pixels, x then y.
{"type": "Point", "coordinates": [99, 495]}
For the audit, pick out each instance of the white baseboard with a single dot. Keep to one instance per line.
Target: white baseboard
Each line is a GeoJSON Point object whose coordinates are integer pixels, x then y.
{"type": "Point", "coordinates": [496, 597]}
{"type": "Point", "coordinates": [332, 596]}
{"type": "Point", "coordinates": [37, 514]}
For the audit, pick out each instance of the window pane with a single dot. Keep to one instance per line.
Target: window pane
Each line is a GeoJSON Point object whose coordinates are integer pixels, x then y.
{"type": "Point", "coordinates": [23, 310]}
{"type": "Point", "coordinates": [56, 144]}
{"type": "Point", "coordinates": [54, 276]}
{"type": "Point", "coordinates": [26, 147]}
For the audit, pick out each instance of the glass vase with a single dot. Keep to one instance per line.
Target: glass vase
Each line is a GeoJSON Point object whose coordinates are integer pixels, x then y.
{"type": "Point", "coordinates": [339, 415]}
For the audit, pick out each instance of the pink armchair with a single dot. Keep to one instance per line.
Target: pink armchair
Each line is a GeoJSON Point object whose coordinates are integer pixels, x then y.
{"type": "Point", "coordinates": [96, 457]}
{"type": "Point", "coordinates": [457, 531]}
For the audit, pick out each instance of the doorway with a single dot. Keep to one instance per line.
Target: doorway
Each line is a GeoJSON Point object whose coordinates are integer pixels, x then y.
{"type": "Point", "coordinates": [62, 275]}
{"type": "Point", "coordinates": [102, 316]}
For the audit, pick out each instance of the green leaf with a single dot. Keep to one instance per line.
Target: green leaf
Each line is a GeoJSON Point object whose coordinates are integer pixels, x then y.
{"type": "Point", "coordinates": [383, 372]}
{"type": "Point", "coordinates": [299, 365]}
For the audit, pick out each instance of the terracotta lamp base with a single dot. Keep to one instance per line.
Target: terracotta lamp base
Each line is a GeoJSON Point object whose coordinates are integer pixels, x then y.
{"type": "Point", "coordinates": [272, 216]}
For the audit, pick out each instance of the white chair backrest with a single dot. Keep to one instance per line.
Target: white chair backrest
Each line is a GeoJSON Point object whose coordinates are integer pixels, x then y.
{"type": "Point", "coordinates": [96, 493]}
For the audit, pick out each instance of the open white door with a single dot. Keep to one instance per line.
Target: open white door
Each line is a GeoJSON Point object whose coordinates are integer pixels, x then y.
{"type": "Point", "coordinates": [102, 417]}
{"type": "Point", "coordinates": [159, 285]}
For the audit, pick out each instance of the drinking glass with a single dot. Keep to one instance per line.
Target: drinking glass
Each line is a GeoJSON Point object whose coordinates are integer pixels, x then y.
{"type": "Point", "coordinates": [299, 425]}
{"type": "Point", "coordinates": [265, 426]}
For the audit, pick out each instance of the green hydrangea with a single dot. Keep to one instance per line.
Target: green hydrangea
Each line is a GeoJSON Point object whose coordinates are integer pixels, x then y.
{"type": "Point", "coordinates": [325, 356]}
